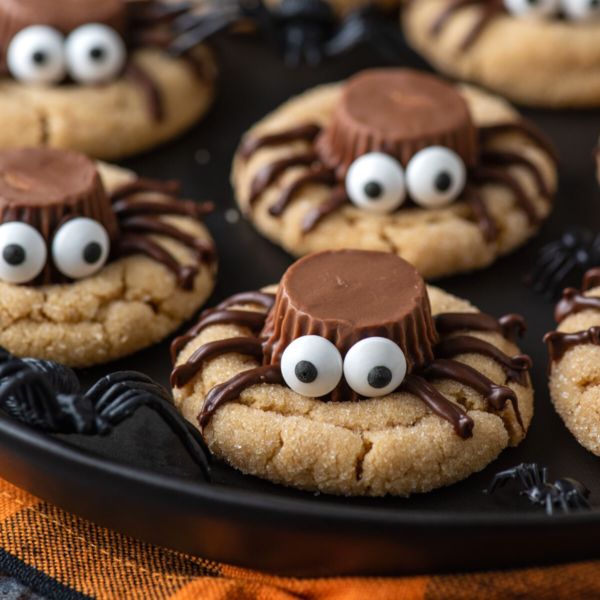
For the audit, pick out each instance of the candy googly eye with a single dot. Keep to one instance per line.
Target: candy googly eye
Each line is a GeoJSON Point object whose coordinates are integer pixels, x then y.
{"type": "Point", "coordinates": [435, 177]}
{"type": "Point", "coordinates": [95, 54]}
{"type": "Point", "coordinates": [375, 183]}
{"type": "Point", "coordinates": [581, 10]}
{"type": "Point", "coordinates": [375, 367]}
{"type": "Point", "coordinates": [80, 248]}
{"type": "Point", "coordinates": [23, 252]}
{"type": "Point", "coordinates": [36, 55]}
{"type": "Point", "coordinates": [532, 8]}
{"type": "Point", "coordinates": [311, 366]}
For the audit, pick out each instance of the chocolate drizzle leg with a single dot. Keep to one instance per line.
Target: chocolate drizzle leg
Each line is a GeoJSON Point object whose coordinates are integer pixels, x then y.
{"type": "Point", "coordinates": [573, 302]}
{"type": "Point", "coordinates": [591, 279]}
{"type": "Point", "coordinates": [496, 395]}
{"type": "Point", "coordinates": [183, 374]}
{"type": "Point", "coordinates": [230, 390]}
{"type": "Point", "coordinates": [559, 343]}
{"type": "Point", "coordinates": [516, 368]}
{"type": "Point", "coordinates": [149, 88]}
{"type": "Point", "coordinates": [509, 326]}
{"type": "Point", "coordinates": [303, 133]}
{"type": "Point", "coordinates": [244, 318]}
{"type": "Point", "coordinates": [438, 404]}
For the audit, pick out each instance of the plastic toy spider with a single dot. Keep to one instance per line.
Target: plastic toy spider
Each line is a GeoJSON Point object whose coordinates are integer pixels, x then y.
{"type": "Point", "coordinates": [419, 148]}
{"type": "Point", "coordinates": [563, 262]}
{"type": "Point", "coordinates": [304, 31]}
{"type": "Point", "coordinates": [566, 495]}
{"type": "Point", "coordinates": [367, 337]}
{"type": "Point", "coordinates": [89, 42]}
{"type": "Point", "coordinates": [48, 396]}
{"type": "Point", "coordinates": [58, 224]}
{"type": "Point", "coordinates": [573, 10]}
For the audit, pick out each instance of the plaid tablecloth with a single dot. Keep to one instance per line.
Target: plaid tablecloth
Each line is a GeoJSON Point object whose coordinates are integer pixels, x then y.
{"type": "Point", "coordinates": [59, 555]}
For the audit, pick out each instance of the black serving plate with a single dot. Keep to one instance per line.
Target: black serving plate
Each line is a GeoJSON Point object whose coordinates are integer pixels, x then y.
{"type": "Point", "coordinates": [139, 480]}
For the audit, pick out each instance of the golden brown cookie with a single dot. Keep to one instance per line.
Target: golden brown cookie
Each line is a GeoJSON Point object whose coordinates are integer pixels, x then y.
{"type": "Point", "coordinates": [352, 377]}
{"type": "Point", "coordinates": [102, 78]}
{"type": "Point", "coordinates": [95, 263]}
{"type": "Point", "coordinates": [575, 361]}
{"type": "Point", "coordinates": [519, 49]}
{"type": "Point", "coordinates": [397, 160]}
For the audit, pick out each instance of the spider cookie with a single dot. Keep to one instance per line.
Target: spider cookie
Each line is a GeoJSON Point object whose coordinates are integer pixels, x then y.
{"type": "Point", "coordinates": [541, 53]}
{"type": "Point", "coordinates": [108, 78]}
{"type": "Point", "coordinates": [397, 160]}
{"type": "Point", "coordinates": [94, 263]}
{"type": "Point", "coordinates": [352, 377]}
{"type": "Point", "coordinates": [574, 351]}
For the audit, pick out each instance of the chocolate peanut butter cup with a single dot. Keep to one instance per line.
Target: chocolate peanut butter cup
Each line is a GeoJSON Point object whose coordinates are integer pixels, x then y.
{"type": "Point", "coordinates": [398, 112]}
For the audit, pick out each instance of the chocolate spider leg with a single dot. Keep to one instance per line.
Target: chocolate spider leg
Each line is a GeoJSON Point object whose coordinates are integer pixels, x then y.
{"type": "Point", "coordinates": [559, 343]}
{"type": "Point", "coordinates": [487, 175]}
{"type": "Point", "coordinates": [270, 173]}
{"type": "Point", "coordinates": [485, 220]}
{"type": "Point", "coordinates": [448, 12]}
{"type": "Point", "coordinates": [129, 244]}
{"type": "Point", "coordinates": [573, 302]}
{"type": "Point", "coordinates": [488, 13]}
{"type": "Point", "coordinates": [253, 320]}
{"type": "Point", "coordinates": [515, 367]}
{"type": "Point", "coordinates": [264, 299]}
{"type": "Point", "coordinates": [438, 404]}
{"type": "Point", "coordinates": [150, 89]}
{"type": "Point", "coordinates": [509, 326]}
{"type": "Point", "coordinates": [507, 159]}
{"type": "Point", "coordinates": [152, 12]}
{"type": "Point", "coordinates": [147, 225]}
{"type": "Point", "coordinates": [247, 346]}
{"type": "Point", "coordinates": [523, 128]}
{"type": "Point", "coordinates": [321, 174]}
{"type": "Point", "coordinates": [496, 395]}
{"type": "Point", "coordinates": [303, 133]}
{"type": "Point", "coordinates": [230, 390]}
{"type": "Point", "coordinates": [130, 207]}
{"type": "Point", "coordinates": [338, 198]}
{"type": "Point", "coordinates": [591, 279]}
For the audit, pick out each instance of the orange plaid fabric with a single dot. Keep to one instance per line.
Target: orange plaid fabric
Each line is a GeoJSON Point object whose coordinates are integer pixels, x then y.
{"type": "Point", "coordinates": [62, 556]}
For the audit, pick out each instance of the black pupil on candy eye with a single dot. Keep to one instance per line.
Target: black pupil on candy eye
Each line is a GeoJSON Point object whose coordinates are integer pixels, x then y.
{"type": "Point", "coordinates": [92, 253]}
{"type": "Point", "coordinates": [379, 377]}
{"type": "Point", "coordinates": [97, 54]}
{"type": "Point", "coordinates": [39, 57]}
{"type": "Point", "coordinates": [443, 181]}
{"type": "Point", "coordinates": [373, 190]}
{"type": "Point", "coordinates": [306, 372]}
{"type": "Point", "coordinates": [14, 255]}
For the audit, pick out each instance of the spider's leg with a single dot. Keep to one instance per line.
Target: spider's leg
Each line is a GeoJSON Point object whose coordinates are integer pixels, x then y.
{"type": "Point", "coordinates": [550, 504]}
{"type": "Point", "coordinates": [319, 175]}
{"type": "Point", "coordinates": [206, 27]}
{"type": "Point", "coordinates": [486, 222]}
{"type": "Point", "coordinates": [501, 478]}
{"type": "Point", "coordinates": [338, 198]}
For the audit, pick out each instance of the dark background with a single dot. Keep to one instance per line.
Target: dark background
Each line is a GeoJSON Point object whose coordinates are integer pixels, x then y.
{"type": "Point", "coordinates": [253, 82]}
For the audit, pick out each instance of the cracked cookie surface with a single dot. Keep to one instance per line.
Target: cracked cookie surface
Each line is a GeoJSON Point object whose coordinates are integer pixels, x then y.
{"type": "Point", "coordinates": [392, 445]}
{"type": "Point", "coordinates": [575, 379]}
{"type": "Point", "coordinates": [108, 121]}
{"type": "Point", "coordinates": [438, 242]}
{"type": "Point", "coordinates": [130, 304]}
{"type": "Point", "coordinates": [551, 62]}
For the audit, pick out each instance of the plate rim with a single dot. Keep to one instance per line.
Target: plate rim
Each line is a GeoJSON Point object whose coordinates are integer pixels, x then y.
{"type": "Point", "coordinates": [216, 499]}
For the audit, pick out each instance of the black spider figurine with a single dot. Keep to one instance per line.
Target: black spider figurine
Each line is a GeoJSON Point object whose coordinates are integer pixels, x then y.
{"type": "Point", "coordinates": [304, 31]}
{"type": "Point", "coordinates": [48, 396]}
{"type": "Point", "coordinates": [563, 262]}
{"type": "Point", "coordinates": [566, 495]}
